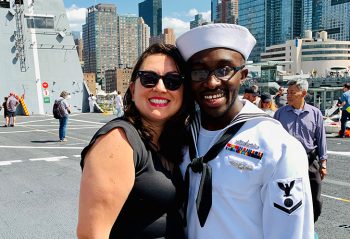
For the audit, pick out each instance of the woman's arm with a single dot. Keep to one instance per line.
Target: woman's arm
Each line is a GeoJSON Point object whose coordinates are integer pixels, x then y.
{"type": "Point", "coordinates": [107, 180]}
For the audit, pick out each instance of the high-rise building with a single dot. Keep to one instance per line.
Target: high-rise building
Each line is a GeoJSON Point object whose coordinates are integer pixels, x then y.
{"type": "Point", "coordinates": [283, 21]}
{"type": "Point", "coordinates": [100, 41]}
{"type": "Point", "coordinates": [335, 18]}
{"type": "Point", "coordinates": [118, 80]}
{"type": "Point", "coordinates": [168, 37]}
{"type": "Point", "coordinates": [272, 21]}
{"type": "Point", "coordinates": [214, 9]}
{"type": "Point", "coordinates": [227, 11]}
{"type": "Point", "coordinates": [133, 39]}
{"type": "Point", "coordinates": [252, 15]}
{"type": "Point", "coordinates": [151, 12]}
{"type": "Point", "coordinates": [327, 15]}
{"type": "Point", "coordinates": [198, 21]}
{"type": "Point", "coordinates": [317, 7]}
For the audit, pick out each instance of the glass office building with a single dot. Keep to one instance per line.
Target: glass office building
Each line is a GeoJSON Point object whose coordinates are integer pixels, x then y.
{"type": "Point", "coordinates": [252, 16]}
{"type": "Point", "coordinates": [336, 19]}
{"type": "Point", "coordinates": [271, 22]}
{"type": "Point", "coordinates": [284, 21]}
{"type": "Point", "coordinates": [151, 12]}
{"type": "Point", "coordinates": [214, 6]}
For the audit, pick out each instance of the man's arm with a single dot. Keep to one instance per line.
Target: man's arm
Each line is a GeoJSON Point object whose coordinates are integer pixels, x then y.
{"type": "Point", "coordinates": [320, 135]}
{"type": "Point", "coordinates": [286, 196]}
{"type": "Point", "coordinates": [342, 101]}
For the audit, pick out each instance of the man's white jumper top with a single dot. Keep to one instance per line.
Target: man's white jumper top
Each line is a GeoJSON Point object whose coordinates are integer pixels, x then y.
{"type": "Point", "coordinates": [260, 180]}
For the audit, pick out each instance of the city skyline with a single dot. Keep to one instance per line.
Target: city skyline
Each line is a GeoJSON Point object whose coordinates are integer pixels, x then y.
{"type": "Point", "coordinates": [176, 14]}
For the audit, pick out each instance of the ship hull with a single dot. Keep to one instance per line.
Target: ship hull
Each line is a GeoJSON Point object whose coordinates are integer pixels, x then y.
{"type": "Point", "coordinates": [38, 55]}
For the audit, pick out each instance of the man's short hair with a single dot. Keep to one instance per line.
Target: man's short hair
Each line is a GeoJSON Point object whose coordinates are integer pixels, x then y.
{"type": "Point", "coordinates": [347, 85]}
{"type": "Point", "coordinates": [64, 94]}
{"type": "Point", "coordinates": [302, 84]}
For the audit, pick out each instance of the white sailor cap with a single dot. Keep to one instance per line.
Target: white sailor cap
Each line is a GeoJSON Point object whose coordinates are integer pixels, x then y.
{"type": "Point", "coordinates": [231, 36]}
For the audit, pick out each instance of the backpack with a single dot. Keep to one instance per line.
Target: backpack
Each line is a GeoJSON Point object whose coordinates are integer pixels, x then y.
{"type": "Point", "coordinates": [58, 109]}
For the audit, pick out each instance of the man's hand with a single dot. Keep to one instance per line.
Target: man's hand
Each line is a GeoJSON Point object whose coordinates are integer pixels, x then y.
{"type": "Point", "coordinates": [323, 169]}
{"type": "Point", "coordinates": [323, 172]}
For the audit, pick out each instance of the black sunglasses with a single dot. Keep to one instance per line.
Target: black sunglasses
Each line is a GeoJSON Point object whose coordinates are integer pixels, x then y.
{"type": "Point", "coordinates": [223, 73]}
{"type": "Point", "coordinates": [172, 80]}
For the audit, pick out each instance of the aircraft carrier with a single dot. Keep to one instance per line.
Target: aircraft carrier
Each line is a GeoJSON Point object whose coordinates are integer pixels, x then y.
{"type": "Point", "coordinates": [38, 56]}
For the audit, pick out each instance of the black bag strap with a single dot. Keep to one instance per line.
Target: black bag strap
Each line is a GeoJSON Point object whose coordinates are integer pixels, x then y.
{"type": "Point", "coordinates": [200, 165]}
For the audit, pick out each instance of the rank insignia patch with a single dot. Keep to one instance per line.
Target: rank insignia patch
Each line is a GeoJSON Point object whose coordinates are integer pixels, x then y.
{"type": "Point", "coordinates": [253, 153]}
{"type": "Point", "coordinates": [287, 194]}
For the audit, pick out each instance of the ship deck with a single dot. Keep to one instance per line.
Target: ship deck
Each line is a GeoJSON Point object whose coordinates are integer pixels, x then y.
{"type": "Point", "coordinates": [40, 179]}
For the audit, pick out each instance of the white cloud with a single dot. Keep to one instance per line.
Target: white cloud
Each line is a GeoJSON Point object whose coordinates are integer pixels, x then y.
{"type": "Point", "coordinates": [178, 25]}
{"type": "Point", "coordinates": [76, 17]}
{"type": "Point", "coordinates": [181, 26]}
{"type": "Point", "coordinates": [192, 12]}
{"type": "Point", "coordinates": [207, 15]}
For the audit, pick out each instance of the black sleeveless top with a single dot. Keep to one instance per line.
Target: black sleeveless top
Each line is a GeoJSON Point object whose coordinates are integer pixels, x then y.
{"type": "Point", "coordinates": [151, 209]}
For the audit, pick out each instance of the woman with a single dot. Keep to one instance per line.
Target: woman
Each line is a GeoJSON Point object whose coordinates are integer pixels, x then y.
{"type": "Point", "coordinates": [130, 167]}
{"type": "Point", "coordinates": [266, 104]}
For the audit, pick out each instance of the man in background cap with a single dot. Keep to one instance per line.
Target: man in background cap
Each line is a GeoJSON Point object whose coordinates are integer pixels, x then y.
{"type": "Point", "coordinates": [251, 94]}
{"type": "Point", "coordinates": [254, 183]}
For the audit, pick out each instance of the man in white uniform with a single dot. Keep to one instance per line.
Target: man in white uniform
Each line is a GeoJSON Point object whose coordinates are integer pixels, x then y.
{"type": "Point", "coordinates": [257, 186]}
{"type": "Point", "coordinates": [92, 102]}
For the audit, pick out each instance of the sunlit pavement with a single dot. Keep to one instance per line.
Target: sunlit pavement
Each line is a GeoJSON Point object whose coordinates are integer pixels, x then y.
{"type": "Point", "coordinates": [40, 179]}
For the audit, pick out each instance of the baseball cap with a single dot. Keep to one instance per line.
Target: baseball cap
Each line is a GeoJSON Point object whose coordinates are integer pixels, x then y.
{"type": "Point", "coordinates": [265, 97]}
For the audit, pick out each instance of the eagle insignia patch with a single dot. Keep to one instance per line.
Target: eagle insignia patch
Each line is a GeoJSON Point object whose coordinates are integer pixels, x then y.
{"type": "Point", "coordinates": [287, 194]}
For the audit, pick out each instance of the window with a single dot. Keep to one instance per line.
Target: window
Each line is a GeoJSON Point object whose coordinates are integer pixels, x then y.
{"type": "Point", "coordinates": [5, 3]}
{"type": "Point", "coordinates": [40, 22]}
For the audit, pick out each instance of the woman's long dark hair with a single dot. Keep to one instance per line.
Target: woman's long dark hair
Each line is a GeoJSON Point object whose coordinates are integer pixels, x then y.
{"type": "Point", "coordinates": [174, 135]}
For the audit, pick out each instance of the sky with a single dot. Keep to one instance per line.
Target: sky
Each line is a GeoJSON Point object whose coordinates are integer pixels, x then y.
{"type": "Point", "coordinates": [177, 14]}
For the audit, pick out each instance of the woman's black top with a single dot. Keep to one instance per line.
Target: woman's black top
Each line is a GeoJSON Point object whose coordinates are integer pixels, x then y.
{"type": "Point", "coordinates": [151, 209]}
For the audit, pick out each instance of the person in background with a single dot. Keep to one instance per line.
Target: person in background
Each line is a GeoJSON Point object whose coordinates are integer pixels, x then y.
{"type": "Point", "coordinates": [63, 121]}
{"type": "Point", "coordinates": [251, 94]}
{"type": "Point", "coordinates": [92, 102]}
{"type": "Point", "coordinates": [280, 98]}
{"type": "Point", "coordinates": [267, 104]}
{"type": "Point", "coordinates": [6, 117]}
{"type": "Point", "coordinates": [256, 89]}
{"type": "Point", "coordinates": [11, 105]}
{"type": "Point", "coordinates": [131, 167]}
{"type": "Point", "coordinates": [344, 102]}
{"type": "Point", "coordinates": [305, 123]}
{"type": "Point", "coordinates": [254, 182]}
{"type": "Point", "coordinates": [119, 105]}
